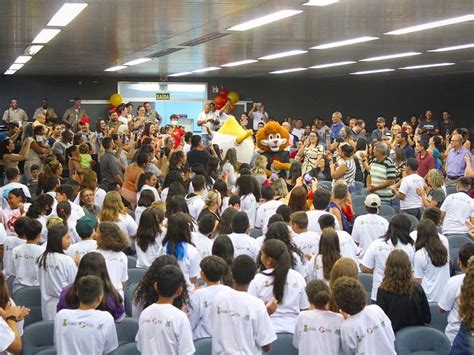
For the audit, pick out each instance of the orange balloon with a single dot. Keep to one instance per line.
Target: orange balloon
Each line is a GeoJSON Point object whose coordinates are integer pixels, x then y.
{"type": "Point", "coordinates": [232, 107]}
{"type": "Point", "coordinates": [219, 101]}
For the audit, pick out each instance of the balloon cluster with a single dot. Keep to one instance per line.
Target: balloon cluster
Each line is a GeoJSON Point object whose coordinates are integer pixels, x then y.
{"type": "Point", "coordinates": [223, 96]}
{"type": "Point", "coordinates": [114, 101]}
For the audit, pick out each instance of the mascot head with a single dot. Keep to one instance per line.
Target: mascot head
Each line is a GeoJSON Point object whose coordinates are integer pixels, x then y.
{"type": "Point", "coordinates": [272, 137]}
{"type": "Point", "coordinates": [232, 135]}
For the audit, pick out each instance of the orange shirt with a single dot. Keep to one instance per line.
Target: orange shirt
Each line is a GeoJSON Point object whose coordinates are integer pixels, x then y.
{"type": "Point", "coordinates": [130, 177]}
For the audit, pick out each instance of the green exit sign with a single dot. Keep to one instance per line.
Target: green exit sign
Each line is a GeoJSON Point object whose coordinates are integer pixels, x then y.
{"type": "Point", "coordinates": [163, 96]}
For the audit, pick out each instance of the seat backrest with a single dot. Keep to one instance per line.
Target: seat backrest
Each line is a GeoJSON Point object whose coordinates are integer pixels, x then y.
{"type": "Point", "coordinates": [129, 295]}
{"type": "Point", "coordinates": [358, 186]}
{"type": "Point", "coordinates": [458, 240]}
{"type": "Point", "coordinates": [359, 210]}
{"type": "Point", "coordinates": [126, 349]}
{"type": "Point", "coordinates": [450, 190]}
{"type": "Point", "coordinates": [135, 275]}
{"type": "Point", "coordinates": [422, 340]}
{"type": "Point", "coordinates": [283, 345]}
{"type": "Point", "coordinates": [413, 220]}
{"type": "Point", "coordinates": [132, 262]}
{"type": "Point", "coordinates": [256, 232]}
{"type": "Point", "coordinates": [29, 297]}
{"type": "Point", "coordinates": [366, 280]}
{"type": "Point", "coordinates": [126, 330]}
{"type": "Point", "coordinates": [386, 210]}
{"type": "Point", "coordinates": [37, 337]}
{"type": "Point", "coordinates": [203, 346]}
{"type": "Point", "coordinates": [10, 284]}
{"type": "Point", "coordinates": [438, 320]}
{"type": "Point", "coordinates": [51, 351]}
{"type": "Point", "coordinates": [358, 200]}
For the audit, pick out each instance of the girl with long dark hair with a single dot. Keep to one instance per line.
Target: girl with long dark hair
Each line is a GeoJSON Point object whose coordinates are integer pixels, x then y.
{"type": "Point", "coordinates": [224, 248]}
{"type": "Point", "coordinates": [320, 265]}
{"type": "Point", "coordinates": [149, 236]}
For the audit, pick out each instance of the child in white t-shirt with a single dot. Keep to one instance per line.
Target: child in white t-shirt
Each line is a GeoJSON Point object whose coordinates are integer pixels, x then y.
{"type": "Point", "coordinates": [248, 201]}
{"type": "Point", "coordinates": [318, 330]}
{"type": "Point", "coordinates": [307, 241]}
{"type": "Point", "coordinates": [207, 225]}
{"type": "Point", "coordinates": [110, 243]}
{"type": "Point", "coordinates": [163, 328]}
{"type": "Point", "coordinates": [150, 234]}
{"type": "Point", "coordinates": [11, 242]}
{"type": "Point", "coordinates": [213, 269]}
{"type": "Point", "coordinates": [85, 229]}
{"type": "Point", "coordinates": [240, 321]}
{"type": "Point", "coordinates": [24, 256]}
{"type": "Point", "coordinates": [86, 330]}
{"type": "Point", "coordinates": [366, 329]}
{"type": "Point", "coordinates": [146, 200]}
{"type": "Point", "coordinates": [242, 242]}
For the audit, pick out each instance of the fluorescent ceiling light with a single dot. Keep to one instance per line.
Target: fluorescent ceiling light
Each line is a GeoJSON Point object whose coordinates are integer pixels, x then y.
{"type": "Point", "coordinates": [45, 36]}
{"type": "Point", "coordinates": [260, 21]}
{"type": "Point", "coordinates": [22, 59]}
{"type": "Point", "coordinates": [427, 66]}
{"type": "Point", "coordinates": [426, 26]}
{"type": "Point", "coordinates": [186, 87]}
{"type": "Point", "coordinates": [181, 74]}
{"type": "Point", "coordinates": [287, 70]}
{"type": "Point", "coordinates": [283, 54]}
{"type": "Point", "coordinates": [9, 72]}
{"type": "Point", "coordinates": [138, 61]}
{"type": "Point", "coordinates": [33, 49]}
{"type": "Point", "coordinates": [203, 70]}
{"type": "Point", "coordinates": [390, 56]}
{"type": "Point", "coordinates": [372, 71]}
{"type": "Point", "coordinates": [16, 66]}
{"type": "Point", "coordinates": [329, 65]}
{"type": "Point", "coordinates": [345, 42]}
{"type": "Point", "coordinates": [116, 68]}
{"type": "Point", "coordinates": [242, 62]}
{"type": "Point", "coordinates": [66, 14]}
{"type": "Point", "coordinates": [453, 48]}
{"type": "Point", "coordinates": [320, 2]}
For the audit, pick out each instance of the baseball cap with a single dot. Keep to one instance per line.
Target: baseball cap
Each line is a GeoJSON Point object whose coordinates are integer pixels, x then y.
{"type": "Point", "coordinates": [380, 120]}
{"type": "Point", "coordinates": [84, 120]}
{"type": "Point", "coordinates": [372, 200]}
{"type": "Point", "coordinates": [86, 225]}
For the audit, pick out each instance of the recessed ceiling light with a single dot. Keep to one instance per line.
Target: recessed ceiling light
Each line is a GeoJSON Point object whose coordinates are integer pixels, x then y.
{"type": "Point", "coordinates": [203, 70]}
{"type": "Point", "coordinates": [284, 71]}
{"type": "Point", "coordinates": [390, 56]}
{"type": "Point", "coordinates": [372, 71]}
{"type": "Point", "coordinates": [33, 49]}
{"type": "Point", "coordinates": [9, 72]}
{"type": "Point", "coordinates": [345, 42]}
{"type": "Point", "coordinates": [320, 2]}
{"type": "Point", "coordinates": [453, 48]}
{"type": "Point", "coordinates": [260, 21]}
{"type": "Point", "coordinates": [45, 36]}
{"type": "Point", "coordinates": [16, 66]}
{"type": "Point", "coordinates": [66, 14]}
{"type": "Point", "coordinates": [329, 65]}
{"type": "Point", "coordinates": [283, 54]}
{"type": "Point", "coordinates": [116, 68]}
{"type": "Point", "coordinates": [242, 62]}
{"type": "Point", "coordinates": [427, 66]}
{"type": "Point", "coordinates": [22, 59]}
{"type": "Point", "coordinates": [181, 74]}
{"type": "Point", "coordinates": [426, 26]}
{"type": "Point", "coordinates": [138, 61]}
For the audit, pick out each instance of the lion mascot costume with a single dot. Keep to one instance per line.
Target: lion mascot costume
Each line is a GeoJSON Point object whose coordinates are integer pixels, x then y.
{"type": "Point", "coordinates": [272, 139]}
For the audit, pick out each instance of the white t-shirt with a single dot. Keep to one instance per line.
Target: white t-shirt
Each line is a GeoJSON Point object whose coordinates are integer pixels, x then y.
{"type": "Point", "coordinates": [314, 269]}
{"type": "Point", "coordinates": [459, 208]}
{"type": "Point", "coordinates": [89, 331]}
{"type": "Point", "coordinates": [444, 240]}
{"type": "Point", "coordinates": [25, 267]}
{"type": "Point", "coordinates": [318, 332]}
{"type": "Point", "coordinates": [257, 118]}
{"type": "Point", "coordinates": [376, 257]}
{"type": "Point", "coordinates": [195, 205]}
{"type": "Point", "coordinates": [308, 242]}
{"type": "Point", "coordinates": [60, 272]}
{"type": "Point", "coordinates": [368, 332]}
{"type": "Point", "coordinates": [408, 186]}
{"type": "Point", "coordinates": [7, 337]}
{"type": "Point", "coordinates": [3, 234]}
{"type": "Point", "coordinates": [348, 247]}
{"type": "Point", "coordinates": [203, 244]}
{"type": "Point", "coordinates": [76, 212]}
{"type": "Point", "coordinates": [298, 132]}
{"type": "Point", "coordinates": [151, 188]}
{"type": "Point", "coordinates": [244, 244]}
{"type": "Point", "coordinates": [264, 212]}
{"type": "Point", "coordinates": [9, 217]}
{"type": "Point", "coordinates": [367, 228]}
{"type": "Point", "coordinates": [5, 189]}
{"type": "Point", "coordinates": [117, 266]}
{"type": "Point", "coordinates": [449, 302]}
{"type": "Point", "coordinates": [189, 265]}
{"type": "Point", "coordinates": [200, 302]}
{"type": "Point", "coordinates": [127, 224]}
{"type": "Point", "coordinates": [248, 204]}
{"type": "Point", "coordinates": [434, 278]}
{"type": "Point", "coordinates": [146, 258]}
{"type": "Point", "coordinates": [164, 329]}
{"type": "Point", "coordinates": [9, 244]}
{"type": "Point", "coordinates": [138, 213]}
{"type": "Point", "coordinates": [82, 248]}
{"type": "Point", "coordinates": [313, 217]}
{"type": "Point", "coordinates": [247, 318]}
{"type": "Point", "coordinates": [294, 298]}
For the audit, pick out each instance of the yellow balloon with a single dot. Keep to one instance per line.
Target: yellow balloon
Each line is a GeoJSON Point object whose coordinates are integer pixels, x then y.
{"type": "Point", "coordinates": [233, 96]}
{"type": "Point", "coordinates": [115, 99]}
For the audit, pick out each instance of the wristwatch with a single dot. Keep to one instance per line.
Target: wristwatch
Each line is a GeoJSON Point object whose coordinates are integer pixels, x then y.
{"type": "Point", "coordinates": [13, 318]}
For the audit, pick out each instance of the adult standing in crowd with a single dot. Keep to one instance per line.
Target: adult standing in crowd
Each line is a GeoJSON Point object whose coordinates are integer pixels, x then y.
{"type": "Point", "coordinates": [425, 159]}
{"type": "Point", "coordinates": [446, 126]}
{"type": "Point", "coordinates": [14, 113]}
{"type": "Point", "coordinates": [336, 127]}
{"type": "Point", "coordinates": [258, 114]}
{"type": "Point", "coordinates": [455, 162]}
{"type": "Point", "coordinates": [207, 120]}
{"type": "Point", "coordinates": [110, 169]}
{"type": "Point", "coordinates": [151, 115]}
{"type": "Point", "coordinates": [309, 153]}
{"type": "Point", "coordinates": [73, 114]}
{"type": "Point", "coordinates": [382, 174]}
{"type": "Point", "coordinates": [47, 111]}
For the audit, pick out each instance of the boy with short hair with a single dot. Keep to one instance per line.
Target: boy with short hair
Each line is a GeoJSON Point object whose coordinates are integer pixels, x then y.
{"type": "Point", "coordinates": [267, 208]}
{"type": "Point", "coordinates": [86, 330]}
{"type": "Point", "coordinates": [321, 199]}
{"type": "Point", "coordinates": [240, 321]}
{"type": "Point", "coordinates": [86, 227]}
{"type": "Point", "coordinates": [234, 201]}
{"type": "Point", "coordinates": [307, 241]}
{"type": "Point", "coordinates": [207, 224]}
{"type": "Point", "coordinates": [213, 269]}
{"type": "Point", "coordinates": [366, 329]}
{"type": "Point", "coordinates": [24, 256]}
{"type": "Point", "coordinates": [195, 199]}
{"type": "Point", "coordinates": [242, 242]}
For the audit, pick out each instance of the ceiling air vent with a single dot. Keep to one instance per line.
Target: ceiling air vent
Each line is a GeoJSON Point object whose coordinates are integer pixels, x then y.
{"type": "Point", "coordinates": [164, 52]}
{"type": "Point", "coordinates": [203, 39]}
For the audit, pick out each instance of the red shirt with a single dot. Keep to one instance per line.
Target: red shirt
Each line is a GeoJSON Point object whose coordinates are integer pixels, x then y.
{"type": "Point", "coordinates": [177, 134]}
{"type": "Point", "coordinates": [426, 164]}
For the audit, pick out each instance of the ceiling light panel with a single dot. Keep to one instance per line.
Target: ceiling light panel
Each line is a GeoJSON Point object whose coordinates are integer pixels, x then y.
{"type": "Point", "coordinates": [203, 70]}
{"type": "Point", "coordinates": [33, 49]}
{"type": "Point", "coordinates": [16, 66]}
{"type": "Point", "coordinates": [45, 36]}
{"type": "Point", "coordinates": [372, 71]}
{"type": "Point", "coordinates": [345, 42]}
{"type": "Point", "coordinates": [242, 62]}
{"type": "Point", "coordinates": [9, 72]}
{"type": "Point", "coordinates": [330, 65]}
{"type": "Point", "coordinates": [116, 68]}
{"type": "Point", "coordinates": [390, 56]}
{"type": "Point", "coordinates": [424, 66]}
{"type": "Point", "coordinates": [22, 59]}
{"type": "Point", "coordinates": [263, 20]}
{"type": "Point", "coordinates": [320, 2]}
{"type": "Point", "coordinates": [434, 24]}
{"type": "Point", "coordinates": [181, 74]}
{"type": "Point", "coordinates": [453, 48]}
{"type": "Point", "coordinates": [283, 54]}
{"type": "Point", "coordinates": [66, 14]}
{"type": "Point", "coordinates": [138, 61]}
{"type": "Point", "coordinates": [291, 70]}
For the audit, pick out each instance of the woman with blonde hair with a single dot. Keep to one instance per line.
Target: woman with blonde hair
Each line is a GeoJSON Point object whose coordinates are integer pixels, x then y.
{"type": "Point", "coordinates": [260, 170]}
{"type": "Point", "coordinates": [433, 195]}
{"type": "Point", "coordinates": [281, 189]}
{"type": "Point", "coordinates": [212, 204]}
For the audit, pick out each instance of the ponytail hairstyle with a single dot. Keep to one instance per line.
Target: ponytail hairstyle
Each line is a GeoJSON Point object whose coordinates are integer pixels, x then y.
{"type": "Point", "coordinates": [280, 231]}
{"type": "Point", "coordinates": [224, 248]}
{"type": "Point", "coordinates": [318, 293]}
{"type": "Point", "coordinates": [149, 227]}
{"type": "Point", "coordinates": [63, 209]}
{"type": "Point", "coordinates": [54, 243]}
{"type": "Point", "coordinates": [41, 206]}
{"type": "Point", "coordinates": [177, 234]}
{"type": "Point", "coordinates": [278, 252]}
{"type": "Point", "coordinates": [329, 249]}
{"type": "Point", "coordinates": [428, 238]}
{"type": "Point", "coordinates": [142, 179]}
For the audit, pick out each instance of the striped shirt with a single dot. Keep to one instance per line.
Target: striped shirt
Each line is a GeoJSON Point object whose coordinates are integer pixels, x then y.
{"type": "Point", "coordinates": [380, 172]}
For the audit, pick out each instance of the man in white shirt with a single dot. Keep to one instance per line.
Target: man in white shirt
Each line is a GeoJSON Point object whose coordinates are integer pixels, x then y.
{"type": "Point", "coordinates": [258, 114]}
{"type": "Point", "coordinates": [195, 199]}
{"type": "Point", "coordinates": [307, 241]}
{"type": "Point", "coordinates": [370, 226]}
{"type": "Point", "coordinates": [458, 208]}
{"type": "Point", "coordinates": [14, 113]}
{"type": "Point", "coordinates": [267, 208]}
{"type": "Point", "coordinates": [65, 193]}
{"type": "Point", "coordinates": [410, 201]}
{"type": "Point", "coordinates": [251, 330]}
{"type": "Point", "coordinates": [13, 178]}
{"type": "Point", "coordinates": [298, 131]}
{"type": "Point", "coordinates": [242, 242]}
{"type": "Point", "coordinates": [321, 199]}
{"type": "Point", "coordinates": [208, 121]}
{"type": "Point", "coordinates": [86, 330]}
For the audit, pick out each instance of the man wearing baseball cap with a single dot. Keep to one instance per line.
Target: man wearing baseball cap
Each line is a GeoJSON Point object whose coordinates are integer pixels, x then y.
{"type": "Point", "coordinates": [381, 131]}
{"type": "Point", "coordinates": [84, 125]}
{"type": "Point", "coordinates": [370, 226]}
{"type": "Point", "coordinates": [85, 229]}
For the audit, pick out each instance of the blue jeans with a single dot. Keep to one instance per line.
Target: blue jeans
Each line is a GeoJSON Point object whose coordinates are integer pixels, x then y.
{"type": "Point", "coordinates": [463, 343]}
